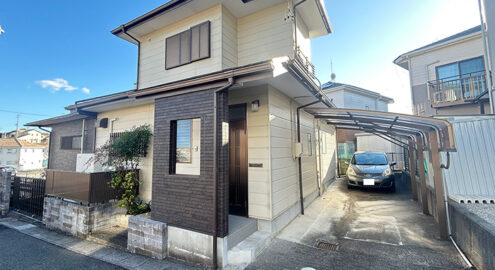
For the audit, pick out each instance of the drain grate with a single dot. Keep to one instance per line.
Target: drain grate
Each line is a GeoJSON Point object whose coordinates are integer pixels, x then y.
{"type": "Point", "coordinates": [327, 246]}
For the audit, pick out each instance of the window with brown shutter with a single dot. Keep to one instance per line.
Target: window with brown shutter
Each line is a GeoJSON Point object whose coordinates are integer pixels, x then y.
{"type": "Point", "coordinates": [188, 46]}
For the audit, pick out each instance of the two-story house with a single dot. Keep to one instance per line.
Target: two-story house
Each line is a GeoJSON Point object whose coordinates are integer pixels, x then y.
{"type": "Point", "coordinates": [448, 77]}
{"type": "Point", "coordinates": [224, 84]}
{"type": "Point", "coordinates": [22, 155]}
{"type": "Point", "coordinates": [352, 97]}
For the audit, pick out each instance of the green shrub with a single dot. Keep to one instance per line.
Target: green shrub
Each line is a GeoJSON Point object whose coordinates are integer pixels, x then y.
{"type": "Point", "coordinates": [123, 155]}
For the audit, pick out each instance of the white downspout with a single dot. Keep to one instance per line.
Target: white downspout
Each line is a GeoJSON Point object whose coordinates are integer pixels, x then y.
{"type": "Point", "coordinates": [487, 61]}
{"type": "Point", "coordinates": [82, 136]}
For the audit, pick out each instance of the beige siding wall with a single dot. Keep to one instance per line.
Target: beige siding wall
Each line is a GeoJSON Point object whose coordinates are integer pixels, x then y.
{"type": "Point", "coordinates": [284, 174]}
{"type": "Point", "coordinates": [127, 119]}
{"type": "Point", "coordinates": [259, 198]}
{"type": "Point", "coordinates": [328, 159]}
{"type": "Point", "coordinates": [152, 69]}
{"type": "Point", "coordinates": [303, 40]}
{"type": "Point", "coordinates": [264, 35]}
{"type": "Point", "coordinates": [260, 36]}
{"type": "Point", "coordinates": [460, 51]}
{"type": "Point", "coordinates": [229, 39]}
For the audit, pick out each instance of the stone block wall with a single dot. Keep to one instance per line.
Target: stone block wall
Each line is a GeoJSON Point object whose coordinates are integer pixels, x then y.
{"type": "Point", "coordinates": [147, 237]}
{"type": "Point", "coordinates": [4, 193]}
{"type": "Point", "coordinates": [81, 220]}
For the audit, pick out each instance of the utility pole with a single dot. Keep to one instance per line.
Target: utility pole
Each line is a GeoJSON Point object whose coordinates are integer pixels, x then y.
{"type": "Point", "coordinates": [17, 126]}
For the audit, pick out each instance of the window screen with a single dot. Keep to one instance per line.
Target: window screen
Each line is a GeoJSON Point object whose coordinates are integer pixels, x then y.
{"type": "Point", "coordinates": [185, 150]}
{"type": "Point", "coordinates": [183, 144]}
{"type": "Point", "coordinates": [188, 46]}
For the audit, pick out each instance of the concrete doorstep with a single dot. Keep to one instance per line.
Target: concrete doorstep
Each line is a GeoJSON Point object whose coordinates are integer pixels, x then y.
{"type": "Point", "coordinates": [94, 250]}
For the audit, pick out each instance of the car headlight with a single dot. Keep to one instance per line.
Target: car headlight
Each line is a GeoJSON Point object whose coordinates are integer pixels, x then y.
{"type": "Point", "coordinates": [387, 172]}
{"type": "Point", "coordinates": [351, 171]}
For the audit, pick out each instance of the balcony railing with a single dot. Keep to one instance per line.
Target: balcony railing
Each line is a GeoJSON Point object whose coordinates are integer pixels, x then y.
{"type": "Point", "coordinates": [304, 60]}
{"type": "Point", "coordinates": [457, 90]}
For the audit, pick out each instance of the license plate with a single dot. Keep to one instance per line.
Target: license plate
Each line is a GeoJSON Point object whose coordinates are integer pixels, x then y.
{"type": "Point", "coordinates": [369, 182]}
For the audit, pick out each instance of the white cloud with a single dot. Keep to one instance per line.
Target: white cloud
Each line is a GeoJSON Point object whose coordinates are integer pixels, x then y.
{"type": "Point", "coordinates": [60, 84]}
{"type": "Point", "coordinates": [56, 85]}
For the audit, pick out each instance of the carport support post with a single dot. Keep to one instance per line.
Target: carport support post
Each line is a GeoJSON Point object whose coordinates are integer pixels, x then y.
{"type": "Point", "coordinates": [437, 177]}
{"type": "Point", "coordinates": [422, 176]}
{"type": "Point", "coordinates": [412, 170]}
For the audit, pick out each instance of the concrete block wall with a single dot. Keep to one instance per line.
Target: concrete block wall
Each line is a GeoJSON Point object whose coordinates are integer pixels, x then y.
{"type": "Point", "coordinates": [147, 237]}
{"type": "Point", "coordinates": [81, 220]}
{"type": "Point", "coordinates": [473, 230]}
{"type": "Point", "coordinates": [4, 193]}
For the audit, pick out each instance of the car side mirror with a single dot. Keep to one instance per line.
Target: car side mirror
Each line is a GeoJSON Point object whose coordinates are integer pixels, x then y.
{"type": "Point", "coordinates": [346, 162]}
{"type": "Point", "coordinates": [393, 163]}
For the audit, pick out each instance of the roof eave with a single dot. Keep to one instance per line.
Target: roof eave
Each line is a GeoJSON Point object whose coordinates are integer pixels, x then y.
{"type": "Point", "coordinates": [143, 18]}
{"type": "Point", "coordinates": [401, 60]}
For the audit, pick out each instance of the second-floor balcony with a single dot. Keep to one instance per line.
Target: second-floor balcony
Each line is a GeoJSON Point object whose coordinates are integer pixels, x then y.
{"type": "Point", "coordinates": [305, 62]}
{"type": "Point", "coordinates": [457, 90]}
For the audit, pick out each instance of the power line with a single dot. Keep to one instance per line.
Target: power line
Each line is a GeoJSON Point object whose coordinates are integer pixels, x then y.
{"type": "Point", "coordinates": [25, 113]}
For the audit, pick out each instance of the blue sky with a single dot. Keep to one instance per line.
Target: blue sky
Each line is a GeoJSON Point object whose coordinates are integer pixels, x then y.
{"type": "Point", "coordinates": [71, 41]}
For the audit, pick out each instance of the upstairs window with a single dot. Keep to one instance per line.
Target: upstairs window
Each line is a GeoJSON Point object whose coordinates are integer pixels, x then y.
{"type": "Point", "coordinates": [188, 46]}
{"type": "Point", "coordinates": [461, 69]}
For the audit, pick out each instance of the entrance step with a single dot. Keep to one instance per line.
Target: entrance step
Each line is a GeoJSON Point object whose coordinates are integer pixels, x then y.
{"type": "Point", "coordinates": [246, 251]}
{"type": "Point", "coordinates": [239, 229]}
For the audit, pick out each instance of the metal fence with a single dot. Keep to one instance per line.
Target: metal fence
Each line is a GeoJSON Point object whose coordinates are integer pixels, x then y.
{"type": "Point", "coordinates": [27, 195]}
{"type": "Point", "coordinates": [472, 166]}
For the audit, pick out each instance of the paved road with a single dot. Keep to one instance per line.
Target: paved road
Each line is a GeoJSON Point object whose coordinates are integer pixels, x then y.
{"type": "Point", "coordinates": [19, 251]}
{"type": "Point", "coordinates": [373, 230]}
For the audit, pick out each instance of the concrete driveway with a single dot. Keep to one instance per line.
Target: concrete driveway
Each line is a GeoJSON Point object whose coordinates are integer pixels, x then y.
{"type": "Point", "coordinates": [373, 230]}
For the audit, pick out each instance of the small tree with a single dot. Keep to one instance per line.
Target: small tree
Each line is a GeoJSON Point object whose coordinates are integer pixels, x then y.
{"type": "Point", "coordinates": [123, 155]}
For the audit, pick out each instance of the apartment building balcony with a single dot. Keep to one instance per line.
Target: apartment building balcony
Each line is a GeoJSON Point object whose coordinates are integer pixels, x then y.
{"type": "Point", "coordinates": [457, 90]}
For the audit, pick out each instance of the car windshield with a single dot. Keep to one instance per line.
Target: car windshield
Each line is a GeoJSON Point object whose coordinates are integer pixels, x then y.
{"type": "Point", "coordinates": [370, 159]}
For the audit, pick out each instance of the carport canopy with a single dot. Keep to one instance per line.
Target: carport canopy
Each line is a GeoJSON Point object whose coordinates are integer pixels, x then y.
{"type": "Point", "coordinates": [390, 125]}
{"type": "Point", "coordinates": [436, 134]}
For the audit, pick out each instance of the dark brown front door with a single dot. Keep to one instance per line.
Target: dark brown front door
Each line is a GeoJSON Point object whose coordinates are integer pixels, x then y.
{"type": "Point", "coordinates": [238, 190]}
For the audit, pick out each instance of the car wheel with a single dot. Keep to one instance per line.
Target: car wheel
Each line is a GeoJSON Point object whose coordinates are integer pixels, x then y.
{"type": "Point", "coordinates": [350, 186]}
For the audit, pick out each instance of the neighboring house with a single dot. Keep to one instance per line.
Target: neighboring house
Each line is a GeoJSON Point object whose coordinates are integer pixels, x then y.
{"type": "Point", "coordinates": [33, 136]}
{"type": "Point", "coordinates": [245, 65]}
{"type": "Point", "coordinates": [448, 77]}
{"type": "Point", "coordinates": [29, 135]}
{"type": "Point", "coordinates": [24, 156]}
{"type": "Point", "coordinates": [12, 134]}
{"type": "Point", "coordinates": [352, 97]}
